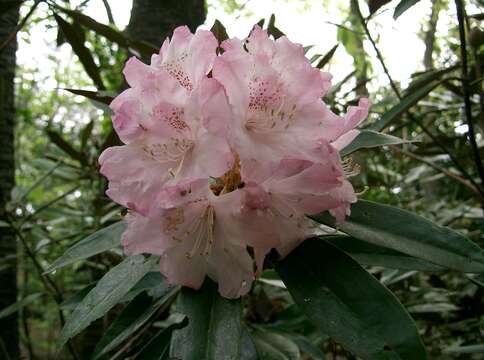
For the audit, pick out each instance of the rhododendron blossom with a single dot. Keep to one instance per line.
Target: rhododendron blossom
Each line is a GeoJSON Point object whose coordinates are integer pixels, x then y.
{"type": "Point", "coordinates": [224, 156]}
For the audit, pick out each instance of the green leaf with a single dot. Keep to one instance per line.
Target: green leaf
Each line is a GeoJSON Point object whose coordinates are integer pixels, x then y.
{"type": "Point", "coordinates": [349, 304]}
{"type": "Point", "coordinates": [247, 347]}
{"type": "Point", "coordinates": [374, 5]}
{"type": "Point", "coordinates": [307, 346]}
{"type": "Point", "coordinates": [107, 293]}
{"type": "Point", "coordinates": [72, 302]}
{"type": "Point", "coordinates": [158, 348]}
{"type": "Point", "coordinates": [405, 104]}
{"type": "Point", "coordinates": [73, 35]}
{"type": "Point", "coordinates": [130, 320]}
{"type": "Point", "coordinates": [428, 77]}
{"type": "Point", "coordinates": [370, 139]}
{"type": "Point", "coordinates": [403, 6]}
{"type": "Point", "coordinates": [374, 255]}
{"type": "Point", "coordinates": [97, 96]}
{"type": "Point", "coordinates": [102, 29]}
{"type": "Point", "coordinates": [66, 147]}
{"type": "Point", "coordinates": [86, 133]}
{"type": "Point", "coordinates": [274, 346]}
{"type": "Point", "coordinates": [219, 31]}
{"type": "Point", "coordinates": [143, 48]}
{"type": "Point", "coordinates": [272, 29]}
{"type": "Point", "coordinates": [101, 240]}
{"type": "Point", "coordinates": [13, 308]}
{"type": "Point", "coordinates": [467, 349]}
{"type": "Point", "coordinates": [410, 234]}
{"type": "Point", "coordinates": [214, 325]}
{"type": "Point", "coordinates": [153, 282]}
{"type": "Point", "coordinates": [327, 57]}
{"type": "Point", "coordinates": [4, 224]}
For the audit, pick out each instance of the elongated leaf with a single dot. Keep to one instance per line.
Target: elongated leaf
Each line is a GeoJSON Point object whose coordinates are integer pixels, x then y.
{"type": "Point", "coordinates": [158, 348]}
{"type": "Point", "coordinates": [214, 326]}
{"type": "Point", "coordinates": [327, 57]}
{"type": "Point", "coordinates": [143, 48]}
{"type": "Point", "coordinates": [73, 36]}
{"type": "Point", "coordinates": [66, 147]}
{"type": "Point", "coordinates": [374, 255]}
{"type": "Point", "coordinates": [468, 349]}
{"type": "Point", "coordinates": [403, 6]}
{"type": "Point", "coordinates": [407, 102]}
{"type": "Point", "coordinates": [107, 293]}
{"type": "Point", "coordinates": [427, 78]}
{"type": "Point", "coordinates": [13, 308]}
{"type": "Point", "coordinates": [133, 316]}
{"type": "Point", "coordinates": [72, 302]}
{"type": "Point", "coordinates": [86, 133]}
{"type": "Point", "coordinates": [102, 29]}
{"type": "Point", "coordinates": [153, 282]}
{"type": "Point", "coordinates": [307, 346]}
{"type": "Point", "coordinates": [349, 304]}
{"type": "Point", "coordinates": [274, 346]}
{"type": "Point", "coordinates": [410, 234]}
{"type": "Point", "coordinates": [247, 346]}
{"type": "Point", "coordinates": [219, 31]}
{"type": "Point", "coordinates": [272, 29]}
{"type": "Point", "coordinates": [370, 139]}
{"type": "Point", "coordinates": [97, 96]}
{"type": "Point", "coordinates": [374, 5]}
{"type": "Point", "coordinates": [96, 243]}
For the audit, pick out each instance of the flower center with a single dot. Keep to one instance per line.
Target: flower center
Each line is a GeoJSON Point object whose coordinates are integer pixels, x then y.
{"type": "Point", "coordinates": [229, 181]}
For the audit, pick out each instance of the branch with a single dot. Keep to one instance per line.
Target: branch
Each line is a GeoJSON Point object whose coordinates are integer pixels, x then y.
{"type": "Point", "coordinates": [410, 115]}
{"type": "Point", "coordinates": [109, 12]}
{"type": "Point", "coordinates": [444, 171]}
{"type": "Point", "coordinates": [465, 88]}
{"type": "Point", "coordinates": [48, 283]}
{"type": "Point", "coordinates": [12, 35]}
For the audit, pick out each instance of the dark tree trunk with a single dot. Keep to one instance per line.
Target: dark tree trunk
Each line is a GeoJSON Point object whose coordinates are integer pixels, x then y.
{"type": "Point", "coordinates": [8, 249]}
{"type": "Point", "coordinates": [153, 20]}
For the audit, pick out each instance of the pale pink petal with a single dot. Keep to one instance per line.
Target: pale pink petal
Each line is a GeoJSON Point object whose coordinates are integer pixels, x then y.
{"type": "Point", "coordinates": [184, 192]}
{"type": "Point", "coordinates": [180, 270]}
{"type": "Point", "coordinates": [258, 43]}
{"type": "Point", "coordinates": [231, 266]}
{"type": "Point", "coordinates": [346, 195]}
{"type": "Point", "coordinates": [134, 178]}
{"type": "Point", "coordinates": [345, 139]}
{"type": "Point", "coordinates": [231, 71]}
{"type": "Point", "coordinates": [186, 57]}
{"type": "Point", "coordinates": [143, 235]}
{"type": "Point", "coordinates": [210, 156]}
{"type": "Point", "coordinates": [136, 72]}
{"type": "Point", "coordinates": [127, 110]}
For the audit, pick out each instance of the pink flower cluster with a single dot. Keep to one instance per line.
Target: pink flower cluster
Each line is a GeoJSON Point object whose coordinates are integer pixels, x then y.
{"type": "Point", "coordinates": [224, 155]}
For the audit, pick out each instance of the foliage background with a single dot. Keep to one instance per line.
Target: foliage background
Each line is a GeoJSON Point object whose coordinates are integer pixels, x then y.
{"type": "Point", "coordinates": [59, 195]}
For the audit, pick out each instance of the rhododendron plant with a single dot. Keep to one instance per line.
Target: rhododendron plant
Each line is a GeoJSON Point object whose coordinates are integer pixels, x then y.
{"type": "Point", "coordinates": [224, 156]}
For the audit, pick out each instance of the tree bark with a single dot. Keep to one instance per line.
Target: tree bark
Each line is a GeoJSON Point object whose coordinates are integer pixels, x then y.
{"type": "Point", "coordinates": [9, 335]}
{"type": "Point", "coordinates": [153, 20]}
